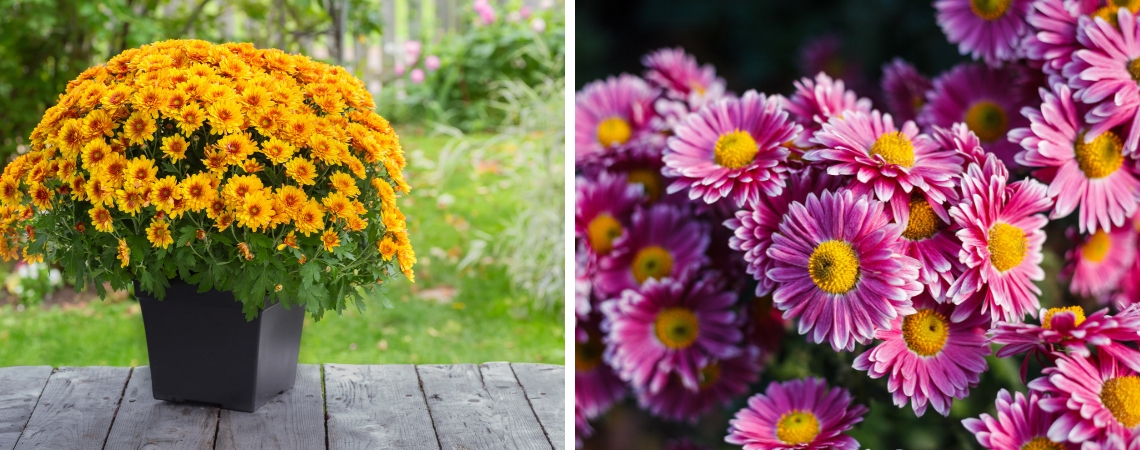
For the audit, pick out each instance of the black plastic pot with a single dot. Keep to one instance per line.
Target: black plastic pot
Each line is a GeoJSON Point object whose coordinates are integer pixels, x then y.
{"type": "Point", "coordinates": [202, 349]}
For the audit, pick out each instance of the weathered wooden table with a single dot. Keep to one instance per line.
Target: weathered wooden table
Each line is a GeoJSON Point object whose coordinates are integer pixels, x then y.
{"type": "Point", "coordinates": [334, 406]}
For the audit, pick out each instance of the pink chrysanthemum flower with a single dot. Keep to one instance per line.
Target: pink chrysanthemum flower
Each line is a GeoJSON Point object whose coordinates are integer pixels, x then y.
{"type": "Point", "coordinates": [720, 382]}
{"type": "Point", "coordinates": [754, 225]}
{"type": "Point", "coordinates": [596, 386]}
{"type": "Point", "coordinates": [890, 163]}
{"type": "Point", "coordinates": [838, 269]}
{"type": "Point", "coordinates": [987, 100]}
{"type": "Point", "coordinates": [1094, 397]}
{"type": "Point", "coordinates": [731, 148]}
{"type": "Point", "coordinates": [816, 101]}
{"type": "Point", "coordinates": [930, 239]}
{"type": "Point", "coordinates": [1066, 329]}
{"type": "Point", "coordinates": [930, 359]}
{"type": "Point", "coordinates": [602, 210]}
{"type": "Point", "coordinates": [1001, 234]}
{"type": "Point", "coordinates": [612, 115]}
{"type": "Point", "coordinates": [990, 30]}
{"type": "Point", "coordinates": [1089, 175]}
{"type": "Point", "coordinates": [1105, 74]}
{"type": "Point", "coordinates": [678, 73]}
{"type": "Point", "coordinates": [1053, 37]}
{"type": "Point", "coordinates": [661, 242]}
{"type": "Point", "coordinates": [670, 328]}
{"type": "Point", "coordinates": [1020, 424]}
{"type": "Point", "coordinates": [904, 89]}
{"type": "Point", "coordinates": [1097, 263]}
{"type": "Point", "coordinates": [962, 141]}
{"type": "Point", "coordinates": [801, 413]}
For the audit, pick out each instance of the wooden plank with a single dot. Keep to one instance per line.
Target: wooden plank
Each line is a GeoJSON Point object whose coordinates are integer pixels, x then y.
{"type": "Point", "coordinates": [293, 420]}
{"type": "Point", "coordinates": [76, 408]}
{"type": "Point", "coordinates": [545, 387]}
{"type": "Point", "coordinates": [376, 407]}
{"type": "Point", "coordinates": [143, 422]}
{"type": "Point", "coordinates": [480, 407]}
{"type": "Point", "coordinates": [20, 389]}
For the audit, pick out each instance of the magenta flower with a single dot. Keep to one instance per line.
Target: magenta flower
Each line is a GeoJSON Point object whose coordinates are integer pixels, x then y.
{"type": "Point", "coordinates": [838, 269]}
{"type": "Point", "coordinates": [720, 382]}
{"type": "Point", "coordinates": [904, 89]}
{"type": "Point", "coordinates": [962, 141]}
{"type": "Point", "coordinates": [930, 359]}
{"type": "Point", "coordinates": [1053, 35]}
{"type": "Point", "coordinates": [602, 209]}
{"type": "Point", "coordinates": [731, 148]}
{"type": "Point", "coordinates": [987, 30]}
{"type": "Point", "coordinates": [431, 63]}
{"type": "Point", "coordinates": [987, 100]}
{"type": "Point", "coordinates": [816, 101]}
{"type": "Point", "coordinates": [1095, 397]}
{"type": "Point", "coordinates": [931, 240]}
{"type": "Point", "coordinates": [1089, 175]}
{"type": "Point", "coordinates": [596, 386]}
{"type": "Point", "coordinates": [412, 51]}
{"type": "Point", "coordinates": [399, 69]}
{"type": "Point", "coordinates": [1098, 262]}
{"type": "Point", "coordinates": [1020, 424]}
{"type": "Point", "coordinates": [612, 116]}
{"type": "Point", "coordinates": [1102, 75]}
{"type": "Point", "coordinates": [485, 11]}
{"type": "Point", "coordinates": [1066, 329]}
{"type": "Point", "coordinates": [682, 79]}
{"type": "Point", "coordinates": [417, 75]}
{"type": "Point", "coordinates": [662, 241]}
{"type": "Point", "coordinates": [671, 328]}
{"type": "Point", "coordinates": [801, 413]}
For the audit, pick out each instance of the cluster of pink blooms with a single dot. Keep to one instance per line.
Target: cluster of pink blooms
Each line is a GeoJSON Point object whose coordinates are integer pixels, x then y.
{"type": "Point", "coordinates": [910, 232]}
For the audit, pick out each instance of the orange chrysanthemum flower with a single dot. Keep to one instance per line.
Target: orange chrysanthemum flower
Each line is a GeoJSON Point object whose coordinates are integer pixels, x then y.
{"type": "Point", "coordinates": [163, 194]}
{"type": "Point", "coordinates": [225, 117]}
{"type": "Point", "coordinates": [174, 147]}
{"type": "Point", "coordinates": [277, 151]}
{"type": "Point", "coordinates": [124, 253]}
{"type": "Point", "coordinates": [256, 211]}
{"type": "Point", "coordinates": [330, 239]}
{"type": "Point", "coordinates": [140, 128]}
{"type": "Point", "coordinates": [310, 219]}
{"type": "Point", "coordinates": [190, 118]}
{"type": "Point", "coordinates": [345, 184]}
{"type": "Point", "coordinates": [101, 218]}
{"type": "Point", "coordinates": [158, 233]}
{"type": "Point", "coordinates": [301, 170]}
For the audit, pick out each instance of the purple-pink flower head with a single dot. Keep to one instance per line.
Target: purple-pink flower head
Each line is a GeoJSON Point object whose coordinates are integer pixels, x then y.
{"type": "Point", "coordinates": [731, 148]}
{"type": "Point", "coordinates": [611, 116]}
{"type": "Point", "coordinates": [1053, 33]}
{"type": "Point", "coordinates": [1095, 396]}
{"type": "Point", "coordinates": [602, 209]}
{"type": "Point", "coordinates": [818, 100]}
{"type": "Point", "coordinates": [412, 51]}
{"type": "Point", "coordinates": [990, 30]}
{"type": "Point", "coordinates": [596, 386]}
{"type": "Point", "coordinates": [670, 328]}
{"type": "Point", "coordinates": [931, 240]}
{"type": "Point", "coordinates": [837, 268]}
{"type": "Point", "coordinates": [904, 89]}
{"type": "Point", "coordinates": [431, 63]}
{"type": "Point", "coordinates": [1105, 74]}
{"type": "Point", "coordinates": [719, 382]}
{"type": "Point", "coordinates": [1096, 265]}
{"type": "Point", "coordinates": [682, 79]}
{"type": "Point", "coordinates": [662, 241]}
{"type": "Point", "coordinates": [1066, 329]}
{"type": "Point", "coordinates": [987, 100]}
{"type": "Point", "coordinates": [485, 10]}
{"type": "Point", "coordinates": [802, 413]}
{"type": "Point", "coordinates": [962, 141]}
{"type": "Point", "coordinates": [1020, 424]}
{"type": "Point", "coordinates": [929, 358]}
{"type": "Point", "coordinates": [417, 75]}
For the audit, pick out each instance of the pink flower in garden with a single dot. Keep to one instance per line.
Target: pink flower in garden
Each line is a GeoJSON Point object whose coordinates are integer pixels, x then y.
{"type": "Point", "coordinates": [904, 89]}
{"type": "Point", "coordinates": [1066, 329]}
{"type": "Point", "coordinates": [602, 209]}
{"type": "Point", "coordinates": [662, 241]}
{"type": "Point", "coordinates": [485, 10]}
{"type": "Point", "coordinates": [417, 75]}
{"type": "Point", "coordinates": [682, 79]}
{"type": "Point", "coordinates": [1020, 424]}
{"type": "Point", "coordinates": [814, 102]}
{"type": "Point", "coordinates": [838, 269]}
{"type": "Point", "coordinates": [596, 386]}
{"type": "Point", "coordinates": [670, 329]}
{"type": "Point", "coordinates": [1090, 175]}
{"type": "Point", "coordinates": [987, 30]}
{"type": "Point", "coordinates": [987, 100]}
{"type": "Point", "coordinates": [1105, 74]}
{"type": "Point", "coordinates": [1053, 35]}
{"type": "Point", "coordinates": [412, 51]}
{"type": "Point", "coordinates": [612, 117]}
{"type": "Point", "coordinates": [719, 382]}
{"type": "Point", "coordinates": [932, 241]}
{"type": "Point", "coordinates": [1099, 260]}
{"type": "Point", "coordinates": [399, 69]}
{"type": "Point", "coordinates": [1096, 397]}
{"type": "Point", "coordinates": [524, 12]}
{"type": "Point", "coordinates": [801, 413]}
{"type": "Point", "coordinates": [431, 63]}
{"type": "Point", "coordinates": [731, 148]}
{"type": "Point", "coordinates": [538, 25]}
{"type": "Point", "coordinates": [962, 141]}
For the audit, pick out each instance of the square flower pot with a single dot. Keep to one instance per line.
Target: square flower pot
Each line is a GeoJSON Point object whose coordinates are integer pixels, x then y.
{"type": "Point", "coordinates": [203, 350]}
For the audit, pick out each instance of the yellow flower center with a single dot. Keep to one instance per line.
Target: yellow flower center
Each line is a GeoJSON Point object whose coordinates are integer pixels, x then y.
{"type": "Point", "coordinates": [1096, 247]}
{"type": "Point", "coordinates": [650, 182]}
{"type": "Point", "coordinates": [987, 120]}
{"type": "Point", "coordinates": [1133, 66]}
{"type": "Point", "coordinates": [989, 9]}
{"type": "Point", "coordinates": [652, 262]}
{"type": "Point", "coordinates": [895, 148]}
{"type": "Point", "coordinates": [614, 131]}
{"type": "Point", "coordinates": [834, 267]}
{"type": "Point", "coordinates": [588, 355]}
{"type": "Point", "coordinates": [923, 222]}
{"type": "Point", "coordinates": [925, 332]}
{"type": "Point", "coordinates": [1047, 321]}
{"type": "Point", "coordinates": [735, 150]}
{"type": "Point", "coordinates": [602, 231]}
{"type": "Point", "coordinates": [1109, 11]}
{"type": "Point", "coordinates": [1121, 395]}
{"type": "Point", "coordinates": [797, 427]}
{"type": "Point", "coordinates": [1041, 443]}
{"type": "Point", "coordinates": [709, 375]}
{"type": "Point", "coordinates": [1008, 246]}
{"type": "Point", "coordinates": [677, 327]}
{"type": "Point", "coordinates": [1101, 157]}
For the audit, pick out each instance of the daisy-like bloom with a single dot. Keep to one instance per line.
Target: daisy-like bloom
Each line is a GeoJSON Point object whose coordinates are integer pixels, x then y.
{"type": "Point", "coordinates": [174, 147]}
{"type": "Point", "coordinates": [197, 190]}
{"type": "Point", "coordinates": [682, 79]}
{"type": "Point", "coordinates": [818, 100]}
{"type": "Point", "coordinates": [596, 386]}
{"type": "Point", "coordinates": [1098, 262]}
{"type": "Point", "coordinates": [345, 184]}
{"type": "Point", "coordinates": [931, 240]}
{"type": "Point", "coordinates": [601, 206]}
{"type": "Point", "coordinates": [158, 233]}
{"type": "Point", "coordinates": [310, 219]}
{"type": "Point", "coordinates": [124, 253]}
{"type": "Point", "coordinates": [662, 241]}
{"type": "Point", "coordinates": [1068, 329]}
{"type": "Point", "coordinates": [731, 148]}
{"type": "Point", "coordinates": [1090, 175]}
{"type": "Point", "coordinates": [164, 192]}
{"type": "Point", "coordinates": [330, 239]}
{"type": "Point", "coordinates": [962, 141]}
{"type": "Point", "coordinates": [837, 268]}
{"type": "Point", "coordinates": [225, 116]}
{"type": "Point", "coordinates": [1106, 73]}
{"type": "Point", "coordinates": [101, 218]}
{"type": "Point", "coordinates": [256, 211]}
{"type": "Point", "coordinates": [987, 100]}
{"type": "Point", "coordinates": [1001, 234]}
{"type": "Point", "coordinates": [720, 382]}
{"type": "Point", "coordinates": [1020, 424]}
{"type": "Point", "coordinates": [990, 30]}
{"type": "Point", "coordinates": [802, 413]}
{"type": "Point", "coordinates": [610, 115]}
{"type": "Point", "coordinates": [139, 128]}
{"type": "Point", "coordinates": [929, 358]}
{"type": "Point", "coordinates": [190, 118]}
{"type": "Point", "coordinates": [301, 170]}
{"type": "Point", "coordinates": [140, 173]}
{"type": "Point", "coordinates": [1053, 37]}
{"type": "Point", "coordinates": [277, 151]}
{"type": "Point", "coordinates": [1094, 396]}
{"type": "Point", "coordinates": [904, 89]}
{"type": "Point", "coordinates": [893, 164]}
{"type": "Point", "coordinates": [672, 327]}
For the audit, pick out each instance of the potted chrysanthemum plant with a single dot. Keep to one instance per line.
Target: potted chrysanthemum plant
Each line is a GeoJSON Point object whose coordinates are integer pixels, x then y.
{"type": "Point", "coordinates": [236, 188]}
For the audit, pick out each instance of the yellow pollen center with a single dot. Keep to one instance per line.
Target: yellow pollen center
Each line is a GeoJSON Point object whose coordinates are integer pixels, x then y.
{"type": "Point", "coordinates": [588, 355]}
{"type": "Point", "coordinates": [735, 150]}
{"type": "Point", "coordinates": [923, 222]}
{"type": "Point", "coordinates": [895, 148]}
{"type": "Point", "coordinates": [1101, 157]}
{"type": "Point", "coordinates": [1042, 443]}
{"type": "Point", "coordinates": [709, 375]}
{"type": "Point", "coordinates": [989, 9]}
{"type": "Point", "coordinates": [1121, 395]}
{"type": "Point", "coordinates": [1047, 321]}
{"type": "Point", "coordinates": [614, 131]}
{"type": "Point", "coordinates": [650, 182]}
{"type": "Point", "coordinates": [1096, 247]}
{"type": "Point", "coordinates": [1007, 245]}
{"type": "Point", "coordinates": [602, 231]}
{"type": "Point", "coordinates": [925, 332]}
{"type": "Point", "coordinates": [987, 119]}
{"type": "Point", "coordinates": [834, 267]}
{"type": "Point", "coordinates": [677, 327]}
{"type": "Point", "coordinates": [1134, 69]}
{"type": "Point", "coordinates": [652, 262]}
{"type": "Point", "coordinates": [797, 427]}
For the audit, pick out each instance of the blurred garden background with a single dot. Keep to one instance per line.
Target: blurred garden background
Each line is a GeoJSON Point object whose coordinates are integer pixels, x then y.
{"type": "Point", "coordinates": [475, 91]}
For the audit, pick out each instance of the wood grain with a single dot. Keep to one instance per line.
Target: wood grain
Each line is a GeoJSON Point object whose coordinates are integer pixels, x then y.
{"type": "Point", "coordinates": [20, 389]}
{"type": "Point", "coordinates": [376, 407]}
{"type": "Point", "coordinates": [470, 414]}
{"type": "Point", "coordinates": [76, 408]}
{"type": "Point", "coordinates": [545, 388]}
{"type": "Point", "coordinates": [293, 420]}
{"type": "Point", "coordinates": [143, 422]}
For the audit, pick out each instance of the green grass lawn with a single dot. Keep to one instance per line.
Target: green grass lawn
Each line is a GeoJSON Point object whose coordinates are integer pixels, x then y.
{"type": "Point", "coordinates": [450, 315]}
